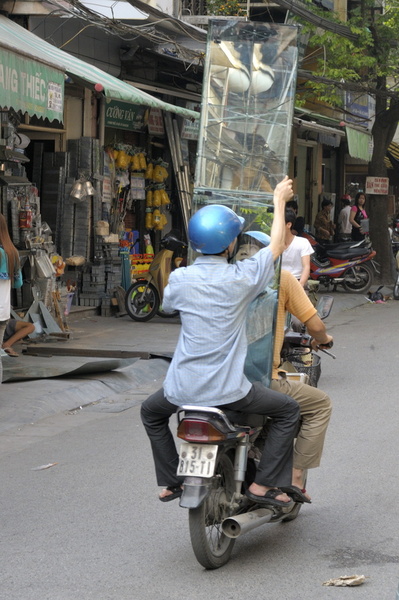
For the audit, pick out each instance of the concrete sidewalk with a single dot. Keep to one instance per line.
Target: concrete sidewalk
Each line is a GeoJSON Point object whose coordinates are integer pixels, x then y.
{"type": "Point", "coordinates": [23, 402]}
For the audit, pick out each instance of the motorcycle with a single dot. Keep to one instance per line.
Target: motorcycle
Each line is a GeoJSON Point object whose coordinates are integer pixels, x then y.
{"type": "Point", "coordinates": [395, 250]}
{"type": "Point", "coordinates": [346, 263]}
{"type": "Point", "coordinates": [214, 461]}
{"type": "Point", "coordinates": [144, 297]}
{"type": "Point", "coordinates": [217, 458]}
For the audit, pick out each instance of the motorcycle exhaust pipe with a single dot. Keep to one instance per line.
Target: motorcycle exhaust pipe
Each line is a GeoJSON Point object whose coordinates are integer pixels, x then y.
{"type": "Point", "coordinates": [236, 526]}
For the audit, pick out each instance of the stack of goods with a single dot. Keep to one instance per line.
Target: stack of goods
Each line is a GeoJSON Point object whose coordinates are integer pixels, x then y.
{"type": "Point", "coordinates": [157, 198]}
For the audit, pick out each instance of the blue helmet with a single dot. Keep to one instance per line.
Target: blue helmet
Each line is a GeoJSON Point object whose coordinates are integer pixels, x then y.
{"type": "Point", "coordinates": [212, 229]}
{"type": "Point", "coordinates": [261, 237]}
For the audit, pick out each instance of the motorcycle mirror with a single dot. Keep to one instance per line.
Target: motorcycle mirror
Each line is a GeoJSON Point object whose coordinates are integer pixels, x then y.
{"type": "Point", "coordinates": [324, 306]}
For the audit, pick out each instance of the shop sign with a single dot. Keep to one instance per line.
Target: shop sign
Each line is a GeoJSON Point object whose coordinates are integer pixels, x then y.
{"type": "Point", "coordinates": [377, 185]}
{"type": "Point", "coordinates": [123, 115]}
{"type": "Point", "coordinates": [155, 122]}
{"type": "Point", "coordinates": [31, 86]}
{"type": "Point", "coordinates": [359, 109]}
{"type": "Point", "coordinates": [190, 129]}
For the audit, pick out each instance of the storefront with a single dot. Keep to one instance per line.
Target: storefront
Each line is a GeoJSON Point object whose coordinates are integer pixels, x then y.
{"type": "Point", "coordinates": [91, 201]}
{"type": "Point", "coordinates": [35, 88]}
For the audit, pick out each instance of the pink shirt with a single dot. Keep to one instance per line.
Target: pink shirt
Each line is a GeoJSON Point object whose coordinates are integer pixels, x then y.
{"type": "Point", "coordinates": [354, 209]}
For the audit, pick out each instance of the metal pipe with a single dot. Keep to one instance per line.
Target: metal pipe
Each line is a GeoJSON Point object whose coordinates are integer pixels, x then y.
{"type": "Point", "coordinates": [240, 461]}
{"type": "Point", "coordinates": [101, 121]}
{"type": "Point", "coordinates": [236, 526]}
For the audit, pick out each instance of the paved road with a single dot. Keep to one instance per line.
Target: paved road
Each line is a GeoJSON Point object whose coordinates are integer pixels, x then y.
{"type": "Point", "coordinates": [91, 527]}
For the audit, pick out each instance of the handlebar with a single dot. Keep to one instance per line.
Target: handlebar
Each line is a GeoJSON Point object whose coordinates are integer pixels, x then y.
{"type": "Point", "coordinates": [304, 340]}
{"type": "Point", "coordinates": [326, 352]}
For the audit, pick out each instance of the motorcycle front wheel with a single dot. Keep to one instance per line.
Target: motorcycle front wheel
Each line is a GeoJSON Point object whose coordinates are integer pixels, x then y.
{"type": "Point", "coordinates": [142, 301]}
{"type": "Point", "coordinates": [167, 315]}
{"type": "Point", "coordinates": [358, 279]}
{"type": "Point", "coordinates": [212, 548]}
{"type": "Point", "coordinates": [396, 289]}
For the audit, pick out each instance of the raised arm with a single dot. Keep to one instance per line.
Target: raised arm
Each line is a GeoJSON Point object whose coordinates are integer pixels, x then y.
{"type": "Point", "coordinates": [282, 194]}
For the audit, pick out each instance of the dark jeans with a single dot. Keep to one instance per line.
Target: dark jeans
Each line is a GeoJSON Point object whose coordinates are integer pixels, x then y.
{"type": "Point", "coordinates": [275, 467]}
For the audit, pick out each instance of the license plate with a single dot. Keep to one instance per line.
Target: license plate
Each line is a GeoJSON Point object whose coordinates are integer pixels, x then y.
{"type": "Point", "coordinates": [197, 460]}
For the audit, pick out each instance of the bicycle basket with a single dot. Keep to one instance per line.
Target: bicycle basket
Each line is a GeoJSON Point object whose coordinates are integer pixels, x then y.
{"type": "Point", "coordinates": [306, 362]}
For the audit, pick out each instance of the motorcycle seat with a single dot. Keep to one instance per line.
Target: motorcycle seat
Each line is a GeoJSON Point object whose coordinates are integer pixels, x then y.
{"type": "Point", "coordinates": [348, 253]}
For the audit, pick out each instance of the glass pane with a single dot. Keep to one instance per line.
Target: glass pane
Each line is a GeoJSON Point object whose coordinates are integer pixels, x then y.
{"type": "Point", "coordinates": [247, 110]}
{"type": "Point", "coordinates": [244, 142]}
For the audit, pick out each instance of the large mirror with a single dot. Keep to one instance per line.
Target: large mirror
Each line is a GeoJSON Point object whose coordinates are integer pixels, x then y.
{"type": "Point", "coordinates": [247, 111]}
{"type": "Point", "coordinates": [244, 143]}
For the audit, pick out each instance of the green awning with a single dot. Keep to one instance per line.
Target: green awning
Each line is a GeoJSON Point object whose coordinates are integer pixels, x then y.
{"type": "Point", "coordinates": [359, 143]}
{"type": "Point", "coordinates": [21, 41]}
{"type": "Point", "coordinates": [31, 86]}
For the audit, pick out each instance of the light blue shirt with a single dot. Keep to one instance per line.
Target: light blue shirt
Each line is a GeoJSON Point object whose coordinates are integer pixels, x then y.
{"type": "Point", "coordinates": [212, 297]}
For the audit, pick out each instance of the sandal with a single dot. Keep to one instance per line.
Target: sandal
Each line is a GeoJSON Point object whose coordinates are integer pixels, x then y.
{"type": "Point", "coordinates": [176, 493]}
{"type": "Point", "coordinates": [11, 352]}
{"type": "Point", "coordinates": [296, 493]}
{"type": "Point", "coordinates": [269, 499]}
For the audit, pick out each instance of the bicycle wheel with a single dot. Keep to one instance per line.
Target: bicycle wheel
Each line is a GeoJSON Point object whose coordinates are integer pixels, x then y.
{"type": "Point", "coordinates": [212, 548]}
{"type": "Point", "coordinates": [358, 279]}
{"type": "Point", "coordinates": [142, 301]}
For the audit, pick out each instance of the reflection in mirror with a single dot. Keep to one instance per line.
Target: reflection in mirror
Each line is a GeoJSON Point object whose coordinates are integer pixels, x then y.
{"type": "Point", "coordinates": [247, 110]}
{"type": "Point", "coordinates": [324, 306]}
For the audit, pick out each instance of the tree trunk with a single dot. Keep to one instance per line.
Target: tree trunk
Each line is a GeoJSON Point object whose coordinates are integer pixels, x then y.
{"type": "Point", "coordinates": [377, 206]}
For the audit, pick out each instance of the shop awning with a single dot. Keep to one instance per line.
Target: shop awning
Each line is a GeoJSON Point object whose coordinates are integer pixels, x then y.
{"type": "Point", "coordinates": [20, 40]}
{"type": "Point", "coordinates": [391, 159]}
{"type": "Point", "coordinates": [30, 85]}
{"type": "Point", "coordinates": [359, 143]}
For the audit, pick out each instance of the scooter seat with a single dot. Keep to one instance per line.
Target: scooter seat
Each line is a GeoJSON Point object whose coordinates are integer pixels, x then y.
{"type": "Point", "coordinates": [348, 253]}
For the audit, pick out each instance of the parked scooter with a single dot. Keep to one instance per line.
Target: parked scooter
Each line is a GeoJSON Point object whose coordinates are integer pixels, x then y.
{"type": "Point", "coordinates": [217, 459]}
{"type": "Point", "coordinates": [144, 297]}
{"type": "Point", "coordinates": [348, 264]}
{"type": "Point", "coordinates": [395, 249]}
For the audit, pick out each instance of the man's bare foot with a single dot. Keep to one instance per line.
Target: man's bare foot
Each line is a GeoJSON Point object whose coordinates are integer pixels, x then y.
{"type": "Point", "coordinates": [261, 490]}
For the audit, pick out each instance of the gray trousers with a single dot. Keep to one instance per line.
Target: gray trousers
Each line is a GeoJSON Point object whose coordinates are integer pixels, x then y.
{"type": "Point", "coordinates": [275, 467]}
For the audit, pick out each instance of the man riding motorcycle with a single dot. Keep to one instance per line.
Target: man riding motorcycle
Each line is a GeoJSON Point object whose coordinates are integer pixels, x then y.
{"type": "Point", "coordinates": [207, 369]}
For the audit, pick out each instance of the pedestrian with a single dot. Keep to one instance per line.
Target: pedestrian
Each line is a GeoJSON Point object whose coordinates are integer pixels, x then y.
{"type": "Point", "coordinates": [344, 225]}
{"type": "Point", "coordinates": [16, 330]}
{"type": "Point", "coordinates": [297, 253]}
{"type": "Point", "coordinates": [324, 227]}
{"type": "Point", "coordinates": [207, 368]}
{"type": "Point", "coordinates": [299, 225]}
{"type": "Point", "coordinates": [358, 218]}
{"type": "Point", "coordinates": [10, 276]}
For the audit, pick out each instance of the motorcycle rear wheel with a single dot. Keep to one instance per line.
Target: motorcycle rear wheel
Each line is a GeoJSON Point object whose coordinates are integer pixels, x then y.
{"type": "Point", "coordinates": [212, 548]}
{"type": "Point", "coordinates": [142, 301]}
{"type": "Point", "coordinates": [358, 279]}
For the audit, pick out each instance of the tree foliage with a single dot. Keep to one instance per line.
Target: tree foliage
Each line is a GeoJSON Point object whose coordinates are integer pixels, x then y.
{"type": "Point", "coordinates": [367, 61]}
